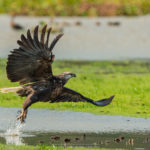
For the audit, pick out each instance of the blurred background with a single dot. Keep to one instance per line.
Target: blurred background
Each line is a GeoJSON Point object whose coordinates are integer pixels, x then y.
{"type": "Point", "coordinates": [107, 44]}
{"type": "Point", "coordinates": [93, 29]}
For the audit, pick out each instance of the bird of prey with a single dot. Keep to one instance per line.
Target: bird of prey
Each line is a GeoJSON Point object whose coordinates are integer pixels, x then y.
{"type": "Point", "coordinates": [31, 66]}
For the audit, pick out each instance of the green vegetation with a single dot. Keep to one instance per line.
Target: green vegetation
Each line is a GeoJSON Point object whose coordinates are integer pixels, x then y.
{"type": "Point", "coordinates": [127, 80]}
{"type": "Point", "coordinates": [42, 147]}
{"type": "Point", "coordinates": [75, 7]}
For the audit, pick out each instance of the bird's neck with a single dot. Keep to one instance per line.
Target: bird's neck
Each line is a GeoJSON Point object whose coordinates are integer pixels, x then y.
{"type": "Point", "coordinates": [60, 79]}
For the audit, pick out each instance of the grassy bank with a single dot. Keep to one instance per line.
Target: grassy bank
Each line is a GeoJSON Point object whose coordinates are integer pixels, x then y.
{"type": "Point", "coordinates": [127, 80]}
{"type": "Point", "coordinates": [76, 8]}
{"type": "Point", "coordinates": [13, 147]}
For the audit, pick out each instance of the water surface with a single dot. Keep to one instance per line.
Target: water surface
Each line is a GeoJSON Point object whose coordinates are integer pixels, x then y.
{"type": "Point", "coordinates": [81, 129]}
{"type": "Point", "coordinates": [88, 42]}
{"type": "Point", "coordinates": [45, 120]}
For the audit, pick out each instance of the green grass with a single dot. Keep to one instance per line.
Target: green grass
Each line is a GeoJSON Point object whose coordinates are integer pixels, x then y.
{"type": "Point", "coordinates": [76, 7]}
{"type": "Point", "coordinates": [128, 80]}
{"type": "Point", "coordinates": [42, 147]}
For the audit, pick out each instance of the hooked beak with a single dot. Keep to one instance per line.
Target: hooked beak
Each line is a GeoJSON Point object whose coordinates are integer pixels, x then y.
{"type": "Point", "coordinates": [73, 75]}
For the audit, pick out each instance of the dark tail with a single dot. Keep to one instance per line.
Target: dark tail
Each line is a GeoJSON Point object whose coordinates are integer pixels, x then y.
{"type": "Point", "coordinates": [102, 102]}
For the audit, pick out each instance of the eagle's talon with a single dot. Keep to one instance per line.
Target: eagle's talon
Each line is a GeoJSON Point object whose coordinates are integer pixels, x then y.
{"type": "Point", "coordinates": [19, 112]}
{"type": "Point", "coordinates": [22, 116]}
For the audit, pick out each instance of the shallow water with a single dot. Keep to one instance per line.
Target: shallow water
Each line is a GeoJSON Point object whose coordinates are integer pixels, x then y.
{"type": "Point", "coordinates": [88, 42]}
{"type": "Point", "coordinates": [43, 120]}
{"type": "Point", "coordinates": [106, 140]}
{"type": "Point", "coordinates": [82, 129]}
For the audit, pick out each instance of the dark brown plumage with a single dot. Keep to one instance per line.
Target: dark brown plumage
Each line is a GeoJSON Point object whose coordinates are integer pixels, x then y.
{"type": "Point", "coordinates": [30, 65]}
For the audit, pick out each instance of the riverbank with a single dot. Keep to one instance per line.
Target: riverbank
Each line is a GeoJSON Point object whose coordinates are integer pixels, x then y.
{"type": "Point", "coordinates": [44, 147]}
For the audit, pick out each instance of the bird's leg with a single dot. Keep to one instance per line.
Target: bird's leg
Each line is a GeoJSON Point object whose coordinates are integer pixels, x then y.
{"type": "Point", "coordinates": [22, 116]}
{"type": "Point", "coordinates": [28, 102]}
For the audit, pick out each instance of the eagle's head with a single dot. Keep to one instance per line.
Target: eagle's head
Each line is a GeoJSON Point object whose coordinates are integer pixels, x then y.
{"type": "Point", "coordinates": [67, 75]}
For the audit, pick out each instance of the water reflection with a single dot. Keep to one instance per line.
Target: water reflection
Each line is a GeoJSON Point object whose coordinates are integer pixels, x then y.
{"type": "Point", "coordinates": [105, 140]}
{"type": "Point", "coordinates": [15, 140]}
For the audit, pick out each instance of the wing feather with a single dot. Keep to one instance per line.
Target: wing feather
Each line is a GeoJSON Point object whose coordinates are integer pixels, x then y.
{"type": "Point", "coordinates": [36, 40]}
{"type": "Point", "coordinates": [30, 40]}
{"type": "Point", "coordinates": [69, 95]}
{"type": "Point", "coordinates": [43, 34]}
{"type": "Point", "coordinates": [48, 33]}
{"type": "Point", "coordinates": [32, 61]}
{"type": "Point", "coordinates": [55, 41]}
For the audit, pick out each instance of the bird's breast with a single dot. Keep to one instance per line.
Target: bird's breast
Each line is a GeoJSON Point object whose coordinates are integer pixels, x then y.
{"type": "Point", "coordinates": [56, 92]}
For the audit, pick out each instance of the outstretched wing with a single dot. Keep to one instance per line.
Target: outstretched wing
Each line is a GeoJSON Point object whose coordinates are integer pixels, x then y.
{"type": "Point", "coordinates": [69, 95]}
{"type": "Point", "coordinates": [32, 60]}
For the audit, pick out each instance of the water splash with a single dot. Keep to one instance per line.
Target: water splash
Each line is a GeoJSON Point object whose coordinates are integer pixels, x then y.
{"type": "Point", "coordinates": [14, 129]}
{"type": "Point", "coordinates": [13, 133]}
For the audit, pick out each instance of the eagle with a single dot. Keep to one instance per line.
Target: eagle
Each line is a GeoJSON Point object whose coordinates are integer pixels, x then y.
{"type": "Point", "coordinates": [31, 66]}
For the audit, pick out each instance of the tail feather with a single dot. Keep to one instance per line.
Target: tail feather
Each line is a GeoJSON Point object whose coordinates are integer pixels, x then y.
{"type": "Point", "coordinates": [10, 89]}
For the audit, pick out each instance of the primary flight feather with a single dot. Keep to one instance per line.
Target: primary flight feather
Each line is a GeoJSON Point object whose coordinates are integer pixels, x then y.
{"type": "Point", "coordinates": [31, 66]}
